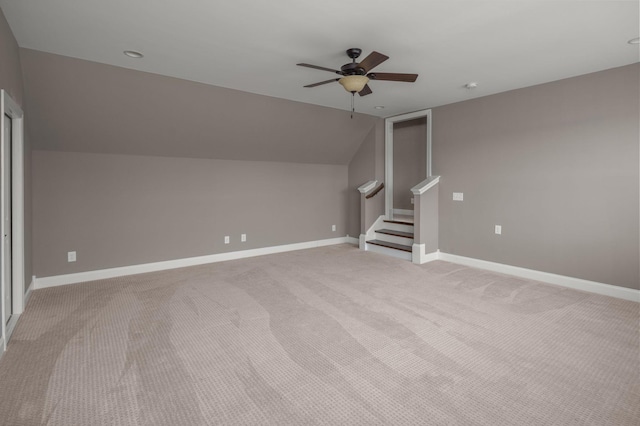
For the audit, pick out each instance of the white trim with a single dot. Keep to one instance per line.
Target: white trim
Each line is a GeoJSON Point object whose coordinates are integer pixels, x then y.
{"type": "Point", "coordinates": [367, 186]}
{"type": "Point", "coordinates": [388, 152]}
{"type": "Point", "coordinates": [3, 348]}
{"type": "Point", "coordinates": [371, 232]}
{"type": "Point", "coordinates": [403, 227]}
{"type": "Point", "coordinates": [388, 168]}
{"type": "Point", "coordinates": [425, 185]}
{"type": "Point", "coordinates": [431, 256]}
{"type": "Point", "coordinates": [405, 241]}
{"type": "Point", "coordinates": [546, 277]}
{"type": "Point", "coordinates": [352, 240]}
{"type": "Point", "coordinates": [102, 274]}
{"type": "Point", "coordinates": [27, 294]}
{"type": "Point", "coordinates": [11, 325]}
{"type": "Point", "coordinates": [404, 212]}
{"type": "Point", "coordinates": [404, 255]}
{"type": "Point", "coordinates": [417, 253]}
{"type": "Point", "coordinates": [9, 107]}
{"type": "Point", "coordinates": [419, 256]}
{"type": "Point", "coordinates": [362, 242]}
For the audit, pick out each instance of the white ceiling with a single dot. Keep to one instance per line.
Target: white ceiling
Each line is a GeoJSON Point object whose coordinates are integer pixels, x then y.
{"type": "Point", "coordinates": [253, 45]}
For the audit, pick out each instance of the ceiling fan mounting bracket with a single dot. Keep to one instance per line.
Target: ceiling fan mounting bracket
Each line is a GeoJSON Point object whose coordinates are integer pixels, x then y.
{"type": "Point", "coordinates": [354, 52]}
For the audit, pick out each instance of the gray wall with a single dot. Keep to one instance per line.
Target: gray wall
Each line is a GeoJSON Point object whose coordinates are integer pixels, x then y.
{"type": "Point", "coordinates": [83, 106]}
{"type": "Point", "coordinates": [118, 210]}
{"type": "Point", "coordinates": [361, 170]}
{"type": "Point", "coordinates": [367, 164]}
{"type": "Point", "coordinates": [131, 120]}
{"type": "Point", "coordinates": [556, 165]}
{"type": "Point", "coordinates": [409, 160]}
{"type": "Point", "coordinates": [10, 70]}
{"type": "Point", "coordinates": [11, 81]}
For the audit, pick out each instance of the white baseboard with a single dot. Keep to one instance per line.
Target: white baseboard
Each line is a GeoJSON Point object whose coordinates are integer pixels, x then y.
{"type": "Point", "coordinates": [561, 280]}
{"type": "Point", "coordinates": [27, 294]}
{"type": "Point", "coordinates": [13, 321]}
{"type": "Point", "coordinates": [418, 254]}
{"type": "Point", "coordinates": [545, 277]}
{"type": "Point", "coordinates": [352, 240]}
{"type": "Point", "coordinates": [102, 274]}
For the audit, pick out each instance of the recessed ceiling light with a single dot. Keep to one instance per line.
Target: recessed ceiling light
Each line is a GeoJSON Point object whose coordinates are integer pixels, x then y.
{"type": "Point", "coordinates": [133, 54]}
{"type": "Point", "coordinates": [634, 40]}
{"type": "Point", "coordinates": [471, 85]}
{"type": "Point", "coordinates": [379, 107]}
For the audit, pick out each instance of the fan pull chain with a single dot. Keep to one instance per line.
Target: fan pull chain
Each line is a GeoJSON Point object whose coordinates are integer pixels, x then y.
{"type": "Point", "coordinates": [353, 108]}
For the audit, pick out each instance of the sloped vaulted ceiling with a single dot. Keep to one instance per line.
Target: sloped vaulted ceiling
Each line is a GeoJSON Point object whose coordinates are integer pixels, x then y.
{"type": "Point", "coordinates": [82, 106]}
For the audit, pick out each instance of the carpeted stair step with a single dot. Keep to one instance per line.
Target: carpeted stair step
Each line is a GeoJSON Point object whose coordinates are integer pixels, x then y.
{"type": "Point", "coordinates": [390, 245]}
{"type": "Point", "coordinates": [395, 233]}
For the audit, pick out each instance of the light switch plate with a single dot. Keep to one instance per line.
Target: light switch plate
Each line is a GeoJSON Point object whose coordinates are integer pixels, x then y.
{"type": "Point", "coordinates": [226, 239]}
{"type": "Point", "coordinates": [458, 196]}
{"type": "Point", "coordinates": [498, 229]}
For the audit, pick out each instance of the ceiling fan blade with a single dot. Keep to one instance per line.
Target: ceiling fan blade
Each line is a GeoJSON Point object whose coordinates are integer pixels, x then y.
{"type": "Point", "coordinates": [391, 76]}
{"type": "Point", "coordinates": [322, 82]}
{"type": "Point", "coordinates": [373, 60]}
{"type": "Point", "coordinates": [366, 90]}
{"type": "Point", "coordinates": [319, 68]}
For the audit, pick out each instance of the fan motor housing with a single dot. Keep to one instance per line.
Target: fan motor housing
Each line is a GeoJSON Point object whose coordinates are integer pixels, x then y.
{"type": "Point", "coordinates": [352, 69]}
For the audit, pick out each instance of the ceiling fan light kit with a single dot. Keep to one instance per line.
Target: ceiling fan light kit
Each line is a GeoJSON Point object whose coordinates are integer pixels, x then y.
{"type": "Point", "coordinates": [354, 83]}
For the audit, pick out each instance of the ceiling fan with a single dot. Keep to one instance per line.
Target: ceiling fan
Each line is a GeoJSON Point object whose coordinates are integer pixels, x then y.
{"type": "Point", "coordinates": [356, 76]}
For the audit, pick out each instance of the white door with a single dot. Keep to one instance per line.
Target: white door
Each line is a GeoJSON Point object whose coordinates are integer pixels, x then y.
{"type": "Point", "coordinates": [5, 249]}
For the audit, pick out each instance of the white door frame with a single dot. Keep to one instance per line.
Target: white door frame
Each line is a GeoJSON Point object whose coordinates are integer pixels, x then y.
{"type": "Point", "coordinates": [9, 107]}
{"type": "Point", "coordinates": [388, 153]}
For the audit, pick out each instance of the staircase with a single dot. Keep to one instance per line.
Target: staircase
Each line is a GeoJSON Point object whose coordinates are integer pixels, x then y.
{"type": "Point", "coordinates": [395, 238]}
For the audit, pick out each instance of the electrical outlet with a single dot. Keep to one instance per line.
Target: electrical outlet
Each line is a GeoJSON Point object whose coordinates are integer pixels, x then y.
{"type": "Point", "coordinates": [458, 196]}
{"type": "Point", "coordinates": [498, 229]}
{"type": "Point", "coordinates": [333, 228]}
{"type": "Point", "coordinates": [71, 256]}
{"type": "Point", "coordinates": [226, 239]}
{"type": "Point", "coordinates": [243, 238]}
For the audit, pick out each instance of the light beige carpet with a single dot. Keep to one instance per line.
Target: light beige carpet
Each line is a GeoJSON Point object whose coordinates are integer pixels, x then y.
{"type": "Point", "coordinates": [328, 336]}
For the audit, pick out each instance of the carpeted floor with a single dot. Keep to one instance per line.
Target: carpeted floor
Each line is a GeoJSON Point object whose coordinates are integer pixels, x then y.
{"type": "Point", "coordinates": [331, 336]}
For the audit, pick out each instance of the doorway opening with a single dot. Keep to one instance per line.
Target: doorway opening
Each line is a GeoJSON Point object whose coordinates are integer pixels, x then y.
{"type": "Point", "coordinates": [12, 282]}
{"type": "Point", "coordinates": [390, 186]}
